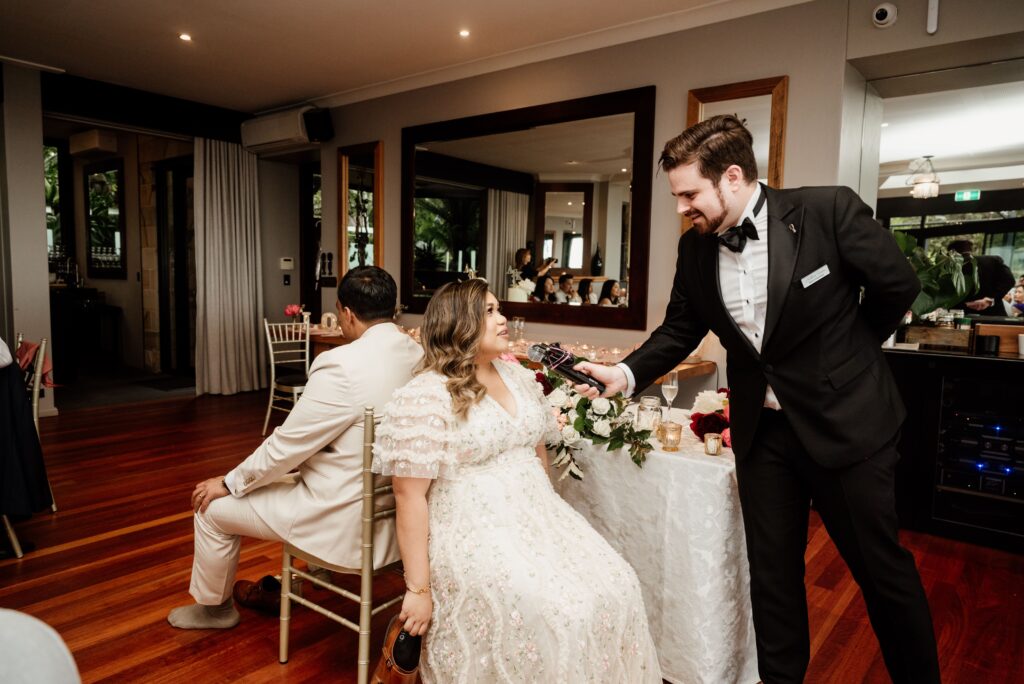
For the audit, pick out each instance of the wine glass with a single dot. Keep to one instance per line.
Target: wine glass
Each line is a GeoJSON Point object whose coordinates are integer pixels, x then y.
{"type": "Point", "coordinates": [669, 389]}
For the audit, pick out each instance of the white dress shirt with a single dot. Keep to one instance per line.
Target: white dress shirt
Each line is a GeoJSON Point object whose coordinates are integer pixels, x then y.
{"type": "Point", "coordinates": [743, 277]}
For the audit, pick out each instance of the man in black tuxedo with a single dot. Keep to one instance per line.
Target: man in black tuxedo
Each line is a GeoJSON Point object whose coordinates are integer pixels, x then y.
{"type": "Point", "coordinates": [801, 286]}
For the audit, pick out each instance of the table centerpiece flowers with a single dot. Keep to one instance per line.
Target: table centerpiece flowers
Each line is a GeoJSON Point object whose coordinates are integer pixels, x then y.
{"type": "Point", "coordinates": [710, 413]}
{"type": "Point", "coordinates": [601, 421]}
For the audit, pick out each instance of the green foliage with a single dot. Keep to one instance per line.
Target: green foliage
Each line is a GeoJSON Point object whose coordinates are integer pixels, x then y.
{"type": "Point", "coordinates": [943, 283]}
{"type": "Point", "coordinates": [51, 189]}
{"type": "Point", "coordinates": [103, 223]}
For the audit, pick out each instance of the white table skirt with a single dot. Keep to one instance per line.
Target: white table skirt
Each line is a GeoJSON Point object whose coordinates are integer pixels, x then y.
{"type": "Point", "coordinates": [677, 522]}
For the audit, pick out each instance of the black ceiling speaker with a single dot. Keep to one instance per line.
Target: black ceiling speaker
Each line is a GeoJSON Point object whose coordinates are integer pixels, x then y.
{"type": "Point", "coordinates": [319, 127]}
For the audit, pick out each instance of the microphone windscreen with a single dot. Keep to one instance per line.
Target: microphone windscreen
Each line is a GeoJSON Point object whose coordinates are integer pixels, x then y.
{"type": "Point", "coordinates": [535, 353]}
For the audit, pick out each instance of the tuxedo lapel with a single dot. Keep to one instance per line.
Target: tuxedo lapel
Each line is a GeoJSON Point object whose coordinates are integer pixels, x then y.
{"type": "Point", "coordinates": [784, 234]}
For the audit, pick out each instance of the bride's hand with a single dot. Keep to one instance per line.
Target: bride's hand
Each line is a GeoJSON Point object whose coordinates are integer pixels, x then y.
{"type": "Point", "coordinates": [416, 611]}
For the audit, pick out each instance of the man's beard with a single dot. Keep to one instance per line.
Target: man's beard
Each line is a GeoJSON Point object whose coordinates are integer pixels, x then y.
{"type": "Point", "coordinates": [715, 222]}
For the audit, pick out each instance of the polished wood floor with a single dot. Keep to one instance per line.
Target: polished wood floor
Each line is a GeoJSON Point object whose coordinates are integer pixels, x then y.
{"type": "Point", "coordinates": [116, 557]}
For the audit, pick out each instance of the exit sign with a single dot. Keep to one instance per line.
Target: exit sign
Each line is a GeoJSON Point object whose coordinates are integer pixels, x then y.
{"type": "Point", "coordinates": [967, 195]}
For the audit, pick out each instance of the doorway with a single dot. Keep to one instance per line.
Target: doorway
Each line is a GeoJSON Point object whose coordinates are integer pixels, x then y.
{"type": "Point", "coordinates": [177, 266]}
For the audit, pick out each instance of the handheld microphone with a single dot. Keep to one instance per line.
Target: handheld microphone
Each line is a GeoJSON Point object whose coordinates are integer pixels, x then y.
{"type": "Point", "coordinates": [561, 361]}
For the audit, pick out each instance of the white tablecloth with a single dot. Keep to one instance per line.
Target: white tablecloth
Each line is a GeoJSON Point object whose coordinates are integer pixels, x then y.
{"type": "Point", "coordinates": [677, 522]}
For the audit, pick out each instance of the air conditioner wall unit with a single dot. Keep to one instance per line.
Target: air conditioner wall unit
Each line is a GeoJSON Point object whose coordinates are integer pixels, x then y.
{"type": "Point", "coordinates": [277, 131]}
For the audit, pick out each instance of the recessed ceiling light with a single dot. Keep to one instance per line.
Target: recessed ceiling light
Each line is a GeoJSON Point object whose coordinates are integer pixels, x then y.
{"type": "Point", "coordinates": [885, 125]}
{"type": "Point", "coordinates": [464, 33]}
{"type": "Point", "coordinates": [625, 170]}
{"type": "Point", "coordinates": [185, 37]}
{"type": "Point", "coordinates": [570, 204]}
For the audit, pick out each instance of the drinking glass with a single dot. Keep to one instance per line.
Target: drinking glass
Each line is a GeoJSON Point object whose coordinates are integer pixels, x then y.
{"type": "Point", "coordinates": [518, 327]}
{"type": "Point", "coordinates": [648, 414]}
{"type": "Point", "coordinates": [669, 389]}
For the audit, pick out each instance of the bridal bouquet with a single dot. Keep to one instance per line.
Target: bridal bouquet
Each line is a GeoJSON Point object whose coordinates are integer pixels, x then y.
{"type": "Point", "coordinates": [710, 413]}
{"type": "Point", "coordinates": [601, 421]}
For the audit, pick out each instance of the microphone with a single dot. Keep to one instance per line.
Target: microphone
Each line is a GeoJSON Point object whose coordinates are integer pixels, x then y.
{"type": "Point", "coordinates": [561, 361]}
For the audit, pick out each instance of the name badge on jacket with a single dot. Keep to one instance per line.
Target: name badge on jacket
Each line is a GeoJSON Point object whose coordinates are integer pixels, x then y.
{"type": "Point", "coordinates": [814, 276]}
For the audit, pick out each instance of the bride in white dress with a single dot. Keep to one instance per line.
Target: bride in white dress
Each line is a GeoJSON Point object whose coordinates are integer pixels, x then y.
{"type": "Point", "coordinates": [506, 580]}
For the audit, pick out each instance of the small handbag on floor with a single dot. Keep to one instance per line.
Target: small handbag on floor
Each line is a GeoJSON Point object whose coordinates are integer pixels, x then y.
{"type": "Point", "coordinates": [399, 658]}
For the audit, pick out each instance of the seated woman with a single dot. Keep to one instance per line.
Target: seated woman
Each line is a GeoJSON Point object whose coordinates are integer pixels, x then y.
{"type": "Point", "coordinates": [506, 580]}
{"type": "Point", "coordinates": [586, 292]}
{"type": "Point", "coordinates": [544, 290]}
{"type": "Point", "coordinates": [610, 293]}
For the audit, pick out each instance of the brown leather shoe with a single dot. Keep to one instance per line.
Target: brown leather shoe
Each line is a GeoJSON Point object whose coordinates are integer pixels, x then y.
{"type": "Point", "coordinates": [263, 596]}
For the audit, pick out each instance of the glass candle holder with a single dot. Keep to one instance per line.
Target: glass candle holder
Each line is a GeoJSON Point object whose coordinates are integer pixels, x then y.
{"type": "Point", "coordinates": [712, 444]}
{"type": "Point", "coordinates": [672, 435]}
{"type": "Point", "coordinates": [648, 415]}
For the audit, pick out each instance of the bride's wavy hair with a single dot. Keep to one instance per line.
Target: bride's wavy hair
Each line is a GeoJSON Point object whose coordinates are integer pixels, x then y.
{"type": "Point", "coordinates": [450, 334]}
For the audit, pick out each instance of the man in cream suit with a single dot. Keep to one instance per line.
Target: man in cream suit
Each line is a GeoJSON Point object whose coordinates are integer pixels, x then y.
{"type": "Point", "coordinates": [320, 511]}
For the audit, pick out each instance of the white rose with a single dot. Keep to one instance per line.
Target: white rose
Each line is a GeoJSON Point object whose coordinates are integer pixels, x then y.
{"type": "Point", "coordinates": [556, 398]}
{"type": "Point", "coordinates": [709, 401]}
{"type": "Point", "coordinates": [571, 399]}
{"type": "Point", "coordinates": [601, 406]}
{"type": "Point", "coordinates": [569, 435]}
{"type": "Point", "coordinates": [603, 427]}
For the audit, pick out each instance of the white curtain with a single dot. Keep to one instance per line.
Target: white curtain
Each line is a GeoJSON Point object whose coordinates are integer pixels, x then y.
{"type": "Point", "coordinates": [230, 340]}
{"type": "Point", "coordinates": [507, 220]}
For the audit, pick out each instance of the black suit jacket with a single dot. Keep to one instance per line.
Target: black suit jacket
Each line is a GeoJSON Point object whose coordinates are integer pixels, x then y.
{"type": "Point", "coordinates": [994, 280]}
{"type": "Point", "coordinates": [822, 343]}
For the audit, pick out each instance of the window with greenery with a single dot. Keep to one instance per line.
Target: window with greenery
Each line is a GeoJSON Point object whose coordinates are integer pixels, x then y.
{"type": "Point", "coordinates": [448, 236]}
{"type": "Point", "coordinates": [904, 222]}
{"type": "Point", "coordinates": [60, 226]}
{"type": "Point", "coordinates": [105, 219]}
{"type": "Point", "coordinates": [360, 212]}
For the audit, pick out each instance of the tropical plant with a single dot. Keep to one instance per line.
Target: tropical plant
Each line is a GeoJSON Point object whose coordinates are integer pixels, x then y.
{"type": "Point", "coordinates": [941, 272]}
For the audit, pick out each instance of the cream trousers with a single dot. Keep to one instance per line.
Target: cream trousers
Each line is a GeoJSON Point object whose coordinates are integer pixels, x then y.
{"type": "Point", "coordinates": [217, 546]}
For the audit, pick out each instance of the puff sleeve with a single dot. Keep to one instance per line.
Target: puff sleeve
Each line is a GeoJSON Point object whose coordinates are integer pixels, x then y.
{"type": "Point", "coordinates": [415, 434]}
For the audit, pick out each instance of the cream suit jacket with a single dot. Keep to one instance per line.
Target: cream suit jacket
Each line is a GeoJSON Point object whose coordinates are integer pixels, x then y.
{"type": "Point", "coordinates": [323, 439]}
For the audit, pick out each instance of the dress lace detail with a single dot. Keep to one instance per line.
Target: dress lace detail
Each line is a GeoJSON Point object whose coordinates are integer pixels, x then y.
{"type": "Point", "coordinates": [524, 589]}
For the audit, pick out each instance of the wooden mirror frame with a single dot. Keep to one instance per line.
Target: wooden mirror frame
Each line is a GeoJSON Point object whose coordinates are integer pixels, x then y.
{"type": "Point", "coordinates": [640, 103]}
{"type": "Point", "coordinates": [377, 150]}
{"type": "Point", "coordinates": [777, 87]}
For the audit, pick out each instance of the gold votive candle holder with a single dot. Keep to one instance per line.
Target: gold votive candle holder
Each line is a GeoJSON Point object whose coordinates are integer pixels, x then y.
{"type": "Point", "coordinates": [712, 444]}
{"type": "Point", "coordinates": [672, 434]}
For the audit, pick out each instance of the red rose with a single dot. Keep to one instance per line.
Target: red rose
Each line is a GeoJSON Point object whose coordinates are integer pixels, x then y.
{"type": "Point", "coordinates": [727, 437]}
{"type": "Point", "coordinates": [544, 383]}
{"type": "Point", "coordinates": [703, 423]}
{"type": "Point", "coordinates": [724, 390]}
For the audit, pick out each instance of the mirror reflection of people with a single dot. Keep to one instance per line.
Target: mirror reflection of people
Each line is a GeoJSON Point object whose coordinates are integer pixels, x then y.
{"type": "Point", "coordinates": [586, 292]}
{"type": "Point", "coordinates": [815, 412]}
{"type": "Point", "coordinates": [610, 293]}
{"type": "Point", "coordinates": [566, 293]}
{"type": "Point", "coordinates": [526, 269]}
{"type": "Point", "coordinates": [994, 279]}
{"type": "Point", "coordinates": [505, 579]}
{"type": "Point", "coordinates": [544, 290]}
{"type": "Point", "coordinates": [1014, 301]}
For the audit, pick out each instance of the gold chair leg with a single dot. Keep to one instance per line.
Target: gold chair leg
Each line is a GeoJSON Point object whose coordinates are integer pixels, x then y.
{"type": "Point", "coordinates": [13, 537]}
{"type": "Point", "coordinates": [270, 406]}
{"type": "Point", "coordinates": [286, 605]}
{"type": "Point", "coordinates": [53, 500]}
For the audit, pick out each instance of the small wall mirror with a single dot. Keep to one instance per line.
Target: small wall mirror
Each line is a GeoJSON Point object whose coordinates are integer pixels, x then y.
{"type": "Point", "coordinates": [361, 216]}
{"type": "Point", "coordinates": [105, 219]}
{"type": "Point", "coordinates": [761, 105]}
{"type": "Point", "coordinates": [563, 187]}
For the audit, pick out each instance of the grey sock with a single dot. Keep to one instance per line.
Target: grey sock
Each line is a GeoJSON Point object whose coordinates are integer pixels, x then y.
{"type": "Point", "coordinates": [198, 616]}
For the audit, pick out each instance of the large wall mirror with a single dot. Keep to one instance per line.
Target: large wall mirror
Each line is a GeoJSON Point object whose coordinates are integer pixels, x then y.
{"type": "Point", "coordinates": [566, 185]}
{"type": "Point", "coordinates": [105, 220]}
{"type": "Point", "coordinates": [361, 215]}
{"type": "Point", "coordinates": [761, 105]}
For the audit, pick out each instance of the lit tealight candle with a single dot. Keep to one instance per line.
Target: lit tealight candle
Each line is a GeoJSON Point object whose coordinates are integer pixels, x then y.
{"type": "Point", "coordinates": [712, 444]}
{"type": "Point", "coordinates": [672, 434]}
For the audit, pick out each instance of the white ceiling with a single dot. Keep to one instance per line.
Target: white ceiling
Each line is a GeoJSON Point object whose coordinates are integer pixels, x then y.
{"type": "Point", "coordinates": [257, 55]}
{"type": "Point", "coordinates": [975, 136]}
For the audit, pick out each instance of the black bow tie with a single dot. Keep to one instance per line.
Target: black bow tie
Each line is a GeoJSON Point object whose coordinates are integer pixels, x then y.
{"type": "Point", "coordinates": [736, 237]}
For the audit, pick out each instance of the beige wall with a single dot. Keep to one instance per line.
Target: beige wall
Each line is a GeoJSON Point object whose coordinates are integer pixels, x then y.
{"type": "Point", "coordinates": [806, 42]}
{"type": "Point", "coordinates": [279, 236]}
{"type": "Point", "coordinates": [25, 209]}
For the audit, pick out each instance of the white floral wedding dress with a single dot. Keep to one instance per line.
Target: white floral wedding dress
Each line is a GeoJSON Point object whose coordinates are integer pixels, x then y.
{"type": "Point", "coordinates": [524, 589]}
